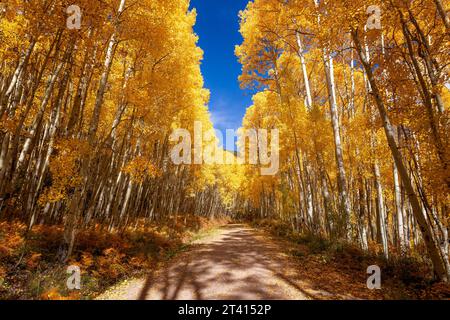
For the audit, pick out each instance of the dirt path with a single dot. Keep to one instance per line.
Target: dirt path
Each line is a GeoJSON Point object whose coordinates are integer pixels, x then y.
{"type": "Point", "coordinates": [236, 263]}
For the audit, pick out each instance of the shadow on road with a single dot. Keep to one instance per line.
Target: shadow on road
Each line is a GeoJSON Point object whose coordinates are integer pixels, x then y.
{"type": "Point", "coordinates": [237, 265]}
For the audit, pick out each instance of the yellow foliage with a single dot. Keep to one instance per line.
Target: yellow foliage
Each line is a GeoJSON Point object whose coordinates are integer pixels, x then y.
{"type": "Point", "coordinates": [64, 170]}
{"type": "Point", "coordinates": [140, 169]}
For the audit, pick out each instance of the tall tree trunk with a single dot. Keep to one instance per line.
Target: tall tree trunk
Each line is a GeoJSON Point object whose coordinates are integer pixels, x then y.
{"type": "Point", "coordinates": [304, 71]}
{"type": "Point", "coordinates": [433, 250]}
{"type": "Point", "coordinates": [342, 179]}
{"type": "Point", "coordinates": [399, 210]}
{"type": "Point", "coordinates": [381, 211]}
{"type": "Point", "coordinates": [105, 75]}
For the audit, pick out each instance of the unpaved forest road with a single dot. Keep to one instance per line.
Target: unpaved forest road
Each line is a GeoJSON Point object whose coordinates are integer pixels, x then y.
{"type": "Point", "coordinates": [236, 263]}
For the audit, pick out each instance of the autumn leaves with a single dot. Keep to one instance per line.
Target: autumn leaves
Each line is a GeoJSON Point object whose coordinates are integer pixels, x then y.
{"type": "Point", "coordinates": [257, 147]}
{"type": "Point", "coordinates": [362, 126]}
{"type": "Point", "coordinates": [90, 93]}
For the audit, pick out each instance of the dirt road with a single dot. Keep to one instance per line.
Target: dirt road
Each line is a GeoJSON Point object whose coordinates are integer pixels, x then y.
{"type": "Point", "coordinates": [235, 263]}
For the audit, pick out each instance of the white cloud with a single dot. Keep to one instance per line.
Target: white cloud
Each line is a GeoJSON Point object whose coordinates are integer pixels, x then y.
{"type": "Point", "coordinates": [222, 115]}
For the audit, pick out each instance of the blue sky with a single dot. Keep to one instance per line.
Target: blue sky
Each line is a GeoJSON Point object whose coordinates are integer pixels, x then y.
{"type": "Point", "coordinates": [218, 29]}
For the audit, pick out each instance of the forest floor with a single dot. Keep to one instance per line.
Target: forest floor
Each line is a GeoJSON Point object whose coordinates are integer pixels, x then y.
{"type": "Point", "coordinates": [30, 268]}
{"type": "Point", "coordinates": [239, 262]}
{"type": "Point", "coordinates": [196, 258]}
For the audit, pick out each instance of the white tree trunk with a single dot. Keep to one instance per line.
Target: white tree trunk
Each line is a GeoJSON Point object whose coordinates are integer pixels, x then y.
{"type": "Point", "coordinates": [399, 211]}
{"type": "Point", "coordinates": [305, 72]}
{"type": "Point", "coordinates": [381, 211]}
{"type": "Point", "coordinates": [105, 75]}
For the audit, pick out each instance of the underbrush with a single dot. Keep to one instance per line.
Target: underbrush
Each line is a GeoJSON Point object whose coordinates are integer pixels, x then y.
{"type": "Point", "coordinates": [29, 267]}
{"type": "Point", "coordinates": [337, 265]}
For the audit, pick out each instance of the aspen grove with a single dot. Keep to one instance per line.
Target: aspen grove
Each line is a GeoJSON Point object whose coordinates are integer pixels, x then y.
{"type": "Point", "coordinates": [358, 90]}
{"type": "Point", "coordinates": [363, 114]}
{"type": "Point", "coordinates": [87, 114]}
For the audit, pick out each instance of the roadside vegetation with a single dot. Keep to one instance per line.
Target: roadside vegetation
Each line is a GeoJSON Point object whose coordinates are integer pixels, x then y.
{"type": "Point", "coordinates": [339, 268]}
{"type": "Point", "coordinates": [30, 269]}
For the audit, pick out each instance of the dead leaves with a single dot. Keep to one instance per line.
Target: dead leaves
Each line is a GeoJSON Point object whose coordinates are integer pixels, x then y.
{"type": "Point", "coordinates": [34, 260]}
{"type": "Point", "coordinates": [338, 271]}
{"type": "Point", "coordinates": [54, 294]}
{"type": "Point", "coordinates": [10, 238]}
{"type": "Point", "coordinates": [104, 258]}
